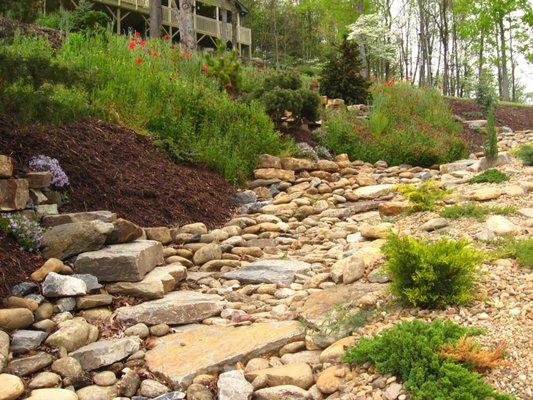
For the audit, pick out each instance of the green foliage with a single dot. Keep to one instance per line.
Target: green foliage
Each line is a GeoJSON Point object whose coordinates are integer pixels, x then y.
{"type": "Point", "coordinates": [474, 210]}
{"type": "Point", "coordinates": [283, 79]}
{"type": "Point", "coordinates": [486, 95]}
{"type": "Point", "coordinates": [525, 154]}
{"type": "Point", "coordinates": [82, 19]}
{"type": "Point", "coordinates": [431, 274]}
{"type": "Point", "coordinates": [521, 249]}
{"type": "Point", "coordinates": [278, 100]}
{"type": "Point", "coordinates": [151, 88]}
{"type": "Point", "coordinates": [490, 147]}
{"type": "Point", "coordinates": [224, 66]}
{"type": "Point", "coordinates": [424, 196]}
{"type": "Point", "coordinates": [489, 176]}
{"type": "Point", "coordinates": [310, 104]}
{"type": "Point", "coordinates": [340, 76]}
{"type": "Point", "coordinates": [25, 11]}
{"type": "Point", "coordinates": [407, 125]}
{"type": "Point", "coordinates": [409, 350]}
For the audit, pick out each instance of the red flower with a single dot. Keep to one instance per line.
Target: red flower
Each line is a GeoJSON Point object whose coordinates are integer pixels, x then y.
{"type": "Point", "coordinates": [142, 43]}
{"type": "Point", "coordinates": [132, 44]}
{"type": "Point", "coordinates": [204, 69]}
{"type": "Point", "coordinates": [166, 36]}
{"type": "Point", "coordinates": [138, 60]}
{"type": "Point", "coordinates": [137, 34]}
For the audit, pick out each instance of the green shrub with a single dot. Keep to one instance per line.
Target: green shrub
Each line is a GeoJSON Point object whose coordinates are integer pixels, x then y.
{"type": "Point", "coordinates": [149, 87]}
{"type": "Point", "coordinates": [407, 125]}
{"type": "Point", "coordinates": [310, 104]}
{"type": "Point", "coordinates": [341, 74]}
{"type": "Point", "coordinates": [410, 350]}
{"type": "Point", "coordinates": [278, 100]}
{"type": "Point", "coordinates": [525, 154]}
{"type": "Point", "coordinates": [424, 196]}
{"type": "Point", "coordinates": [520, 249]}
{"type": "Point", "coordinates": [431, 274]}
{"type": "Point", "coordinates": [224, 66]}
{"type": "Point", "coordinates": [474, 210]}
{"type": "Point", "coordinates": [283, 79]}
{"type": "Point", "coordinates": [489, 176]}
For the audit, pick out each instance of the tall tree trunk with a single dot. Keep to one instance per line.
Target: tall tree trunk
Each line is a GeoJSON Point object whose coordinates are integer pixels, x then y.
{"type": "Point", "coordinates": [186, 24]}
{"type": "Point", "coordinates": [274, 8]}
{"type": "Point", "coordinates": [234, 26]}
{"type": "Point", "coordinates": [513, 63]}
{"type": "Point", "coordinates": [362, 50]}
{"type": "Point", "coordinates": [155, 18]}
{"type": "Point", "coordinates": [503, 62]}
{"type": "Point", "coordinates": [480, 55]}
{"type": "Point", "coordinates": [422, 45]}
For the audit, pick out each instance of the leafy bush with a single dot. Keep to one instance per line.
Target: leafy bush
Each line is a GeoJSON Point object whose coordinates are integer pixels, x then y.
{"type": "Point", "coordinates": [45, 163]}
{"type": "Point", "coordinates": [431, 274]}
{"type": "Point", "coordinates": [283, 79]}
{"type": "Point", "coordinates": [525, 154]}
{"type": "Point", "coordinates": [340, 76]}
{"type": "Point", "coordinates": [489, 176]}
{"type": "Point", "coordinates": [28, 234]}
{"type": "Point", "coordinates": [224, 66]}
{"type": "Point", "coordinates": [521, 249]}
{"type": "Point", "coordinates": [410, 350]}
{"type": "Point", "coordinates": [278, 100]}
{"type": "Point", "coordinates": [82, 19]}
{"type": "Point", "coordinates": [150, 87]}
{"type": "Point", "coordinates": [423, 197]}
{"type": "Point", "coordinates": [407, 125]}
{"type": "Point", "coordinates": [310, 104]}
{"type": "Point", "coordinates": [474, 210]}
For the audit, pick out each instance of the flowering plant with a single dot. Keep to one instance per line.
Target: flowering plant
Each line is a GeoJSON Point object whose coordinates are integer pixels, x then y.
{"type": "Point", "coordinates": [27, 233]}
{"type": "Point", "coordinates": [45, 163]}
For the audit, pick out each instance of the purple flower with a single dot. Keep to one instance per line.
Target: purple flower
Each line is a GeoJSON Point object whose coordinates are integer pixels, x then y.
{"type": "Point", "coordinates": [28, 234]}
{"type": "Point", "coordinates": [45, 163]}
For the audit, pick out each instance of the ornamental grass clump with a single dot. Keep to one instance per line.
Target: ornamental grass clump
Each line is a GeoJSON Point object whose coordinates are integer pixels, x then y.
{"type": "Point", "coordinates": [423, 197]}
{"type": "Point", "coordinates": [27, 233]}
{"type": "Point", "coordinates": [430, 360]}
{"type": "Point", "coordinates": [432, 274]}
{"type": "Point", "coordinates": [45, 163]}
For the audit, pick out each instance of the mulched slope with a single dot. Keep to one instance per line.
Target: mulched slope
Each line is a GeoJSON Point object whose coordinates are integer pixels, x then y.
{"type": "Point", "coordinates": [114, 168]}
{"type": "Point", "coordinates": [518, 118]}
{"type": "Point", "coordinates": [16, 265]}
{"type": "Point", "coordinates": [9, 27]}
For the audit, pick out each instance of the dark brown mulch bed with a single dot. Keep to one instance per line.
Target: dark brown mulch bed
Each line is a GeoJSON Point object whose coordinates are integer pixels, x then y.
{"type": "Point", "coordinates": [8, 28]}
{"type": "Point", "coordinates": [114, 168]}
{"type": "Point", "coordinates": [16, 265]}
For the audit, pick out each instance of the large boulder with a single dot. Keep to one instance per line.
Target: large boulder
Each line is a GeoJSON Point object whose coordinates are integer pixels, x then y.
{"type": "Point", "coordinates": [71, 239]}
{"type": "Point", "coordinates": [56, 285]}
{"type": "Point", "coordinates": [87, 216]}
{"type": "Point", "coordinates": [269, 271]}
{"type": "Point", "coordinates": [128, 262]}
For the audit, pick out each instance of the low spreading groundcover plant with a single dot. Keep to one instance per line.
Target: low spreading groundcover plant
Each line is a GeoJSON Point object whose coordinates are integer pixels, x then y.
{"type": "Point", "coordinates": [407, 125]}
{"type": "Point", "coordinates": [426, 357]}
{"type": "Point", "coordinates": [147, 85]}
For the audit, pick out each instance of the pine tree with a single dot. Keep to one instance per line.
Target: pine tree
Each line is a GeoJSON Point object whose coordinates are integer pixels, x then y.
{"type": "Point", "coordinates": [341, 76]}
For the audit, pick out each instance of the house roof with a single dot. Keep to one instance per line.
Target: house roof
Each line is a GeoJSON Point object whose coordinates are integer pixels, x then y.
{"type": "Point", "coordinates": [242, 8]}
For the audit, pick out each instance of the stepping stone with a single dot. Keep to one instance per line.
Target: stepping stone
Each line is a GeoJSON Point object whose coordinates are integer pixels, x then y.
{"type": "Point", "coordinates": [198, 349]}
{"type": "Point", "coordinates": [374, 191]}
{"type": "Point", "coordinates": [320, 306]}
{"type": "Point", "coordinates": [155, 284]}
{"type": "Point", "coordinates": [128, 262]}
{"type": "Point", "coordinates": [176, 308]}
{"type": "Point", "coordinates": [105, 352]}
{"type": "Point", "coordinates": [269, 271]}
{"type": "Point", "coordinates": [54, 220]}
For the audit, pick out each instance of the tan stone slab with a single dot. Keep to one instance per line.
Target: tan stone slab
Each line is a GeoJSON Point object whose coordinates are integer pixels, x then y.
{"type": "Point", "coordinates": [197, 349]}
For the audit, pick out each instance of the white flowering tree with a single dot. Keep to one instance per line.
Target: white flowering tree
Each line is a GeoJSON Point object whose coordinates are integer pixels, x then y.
{"type": "Point", "coordinates": [378, 40]}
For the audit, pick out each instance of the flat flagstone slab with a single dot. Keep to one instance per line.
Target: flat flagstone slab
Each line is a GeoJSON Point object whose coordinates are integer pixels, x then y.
{"type": "Point", "coordinates": [198, 349]}
{"type": "Point", "coordinates": [319, 307]}
{"type": "Point", "coordinates": [176, 308]}
{"type": "Point", "coordinates": [269, 271]}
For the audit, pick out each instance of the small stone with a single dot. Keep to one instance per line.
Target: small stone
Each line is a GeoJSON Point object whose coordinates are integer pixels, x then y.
{"type": "Point", "coordinates": [29, 365]}
{"type": "Point", "coordinates": [45, 380]}
{"type": "Point", "coordinates": [67, 367]}
{"type": "Point", "coordinates": [434, 224]}
{"type": "Point", "coordinates": [105, 352]}
{"type": "Point", "coordinates": [487, 193]}
{"type": "Point", "coordinates": [15, 318]}
{"type": "Point", "coordinates": [94, 392]}
{"type": "Point", "coordinates": [56, 285]}
{"type": "Point", "coordinates": [24, 288]}
{"type": "Point", "coordinates": [159, 234]}
{"type": "Point", "coordinates": [501, 225]}
{"type": "Point", "coordinates": [23, 341]}
{"type": "Point", "coordinates": [11, 387]}
{"type": "Point", "coordinates": [392, 391]}
{"type": "Point", "coordinates": [159, 330]}
{"type": "Point", "coordinates": [128, 384]}
{"type": "Point", "coordinates": [299, 375]}
{"type": "Point", "coordinates": [139, 329]}
{"type": "Point", "coordinates": [233, 386]}
{"type": "Point", "coordinates": [106, 378]}
{"type": "Point", "coordinates": [328, 381]}
{"type": "Point", "coordinates": [73, 334]}
{"type": "Point", "coordinates": [151, 388]}
{"type": "Point", "coordinates": [282, 392]}
{"type": "Point", "coordinates": [55, 394]}
{"type": "Point", "coordinates": [51, 265]}
{"type": "Point", "coordinates": [197, 391]}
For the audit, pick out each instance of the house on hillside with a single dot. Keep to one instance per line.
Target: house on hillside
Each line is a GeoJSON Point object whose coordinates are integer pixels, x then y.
{"type": "Point", "coordinates": [213, 19]}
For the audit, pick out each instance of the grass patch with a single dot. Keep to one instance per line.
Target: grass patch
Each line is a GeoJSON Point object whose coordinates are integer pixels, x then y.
{"type": "Point", "coordinates": [474, 210]}
{"type": "Point", "coordinates": [420, 354]}
{"type": "Point", "coordinates": [525, 154]}
{"type": "Point", "coordinates": [489, 176]}
{"type": "Point", "coordinates": [423, 197]}
{"type": "Point", "coordinates": [149, 86]}
{"type": "Point", "coordinates": [431, 274]}
{"type": "Point", "coordinates": [407, 125]}
{"type": "Point", "coordinates": [519, 249]}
